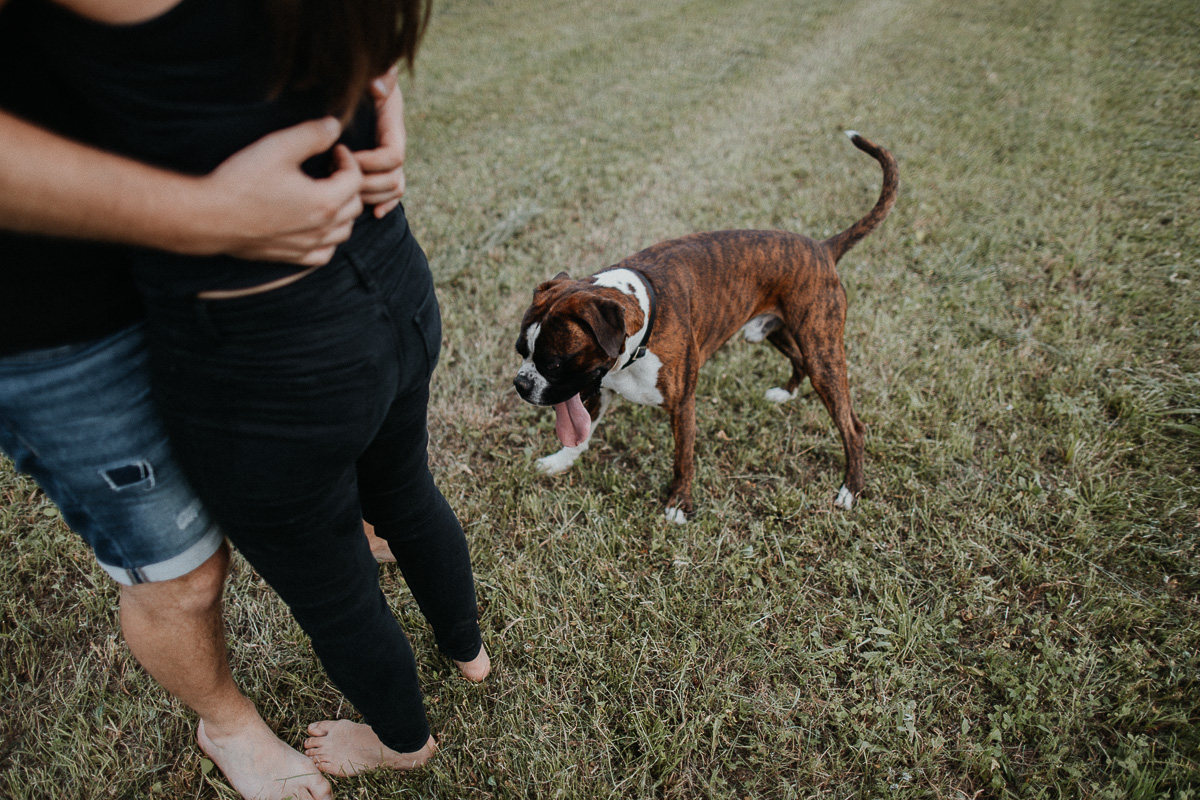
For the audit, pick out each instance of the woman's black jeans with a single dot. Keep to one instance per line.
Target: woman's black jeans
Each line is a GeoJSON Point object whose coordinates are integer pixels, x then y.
{"type": "Point", "coordinates": [297, 413]}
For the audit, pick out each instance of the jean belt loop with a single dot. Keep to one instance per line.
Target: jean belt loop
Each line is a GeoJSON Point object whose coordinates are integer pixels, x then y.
{"type": "Point", "coordinates": [364, 278]}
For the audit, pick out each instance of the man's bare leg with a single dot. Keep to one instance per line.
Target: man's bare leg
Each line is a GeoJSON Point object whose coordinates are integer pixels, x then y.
{"type": "Point", "coordinates": [175, 629]}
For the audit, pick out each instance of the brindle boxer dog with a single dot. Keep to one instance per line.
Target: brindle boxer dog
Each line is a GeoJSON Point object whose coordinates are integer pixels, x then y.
{"type": "Point", "coordinates": [642, 328]}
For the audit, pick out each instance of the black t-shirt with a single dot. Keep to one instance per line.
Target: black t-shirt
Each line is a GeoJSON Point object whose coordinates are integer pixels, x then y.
{"type": "Point", "coordinates": [52, 291]}
{"type": "Point", "coordinates": [186, 90]}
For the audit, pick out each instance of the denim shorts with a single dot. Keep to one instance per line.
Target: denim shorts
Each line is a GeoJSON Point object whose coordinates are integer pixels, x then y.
{"type": "Point", "coordinates": [81, 421]}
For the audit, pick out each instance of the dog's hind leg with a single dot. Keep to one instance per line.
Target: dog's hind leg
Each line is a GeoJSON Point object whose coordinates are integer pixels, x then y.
{"type": "Point", "coordinates": [560, 462]}
{"type": "Point", "coordinates": [826, 362]}
{"type": "Point", "coordinates": [785, 343]}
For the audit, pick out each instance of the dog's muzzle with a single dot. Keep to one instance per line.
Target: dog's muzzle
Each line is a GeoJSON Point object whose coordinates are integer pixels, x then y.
{"type": "Point", "coordinates": [537, 390]}
{"type": "Point", "coordinates": [524, 386]}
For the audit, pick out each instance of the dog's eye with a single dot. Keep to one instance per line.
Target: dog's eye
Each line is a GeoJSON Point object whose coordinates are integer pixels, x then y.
{"type": "Point", "coordinates": [553, 364]}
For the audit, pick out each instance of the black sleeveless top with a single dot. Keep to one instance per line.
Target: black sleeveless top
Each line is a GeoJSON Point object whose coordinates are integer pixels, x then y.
{"type": "Point", "coordinates": [184, 91]}
{"type": "Point", "coordinates": [52, 291]}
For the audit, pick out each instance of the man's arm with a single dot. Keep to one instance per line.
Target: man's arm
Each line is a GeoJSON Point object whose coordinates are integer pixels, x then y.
{"type": "Point", "coordinates": [257, 205]}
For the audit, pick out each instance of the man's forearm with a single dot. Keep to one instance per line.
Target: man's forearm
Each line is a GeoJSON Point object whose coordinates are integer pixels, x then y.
{"type": "Point", "coordinates": [258, 204]}
{"type": "Point", "coordinates": [52, 185]}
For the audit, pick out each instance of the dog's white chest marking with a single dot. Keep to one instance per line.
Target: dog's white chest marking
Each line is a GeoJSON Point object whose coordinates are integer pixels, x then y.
{"type": "Point", "coordinates": [638, 382]}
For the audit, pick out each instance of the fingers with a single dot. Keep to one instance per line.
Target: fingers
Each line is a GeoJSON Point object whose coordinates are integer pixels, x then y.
{"type": "Point", "coordinates": [383, 167]}
{"type": "Point", "coordinates": [301, 254]}
{"type": "Point", "coordinates": [268, 209]}
{"type": "Point", "coordinates": [383, 186]}
{"type": "Point", "coordinates": [318, 258]}
{"type": "Point", "coordinates": [345, 166]}
{"type": "Point", "coordinates": [321, 251]}
{"type": "Point", "coordinates": [315, 245]}
{"type": "Point", "coordinates": [343, 188]}
{"type": "Point", "coordinates": [381, 159]}
{"type": "Point", "coordinates": [383, 191]}
{"type": "Point", "coordinates": [382, 86]}
{"type": "Point", "coordinates": [346, 184]}
{"type": "Point", "coordinates": [383, 209]}
{"type": "Point", "coordinates": [389, 129]}
{"type": "Point", "coordinates": [384, 181]}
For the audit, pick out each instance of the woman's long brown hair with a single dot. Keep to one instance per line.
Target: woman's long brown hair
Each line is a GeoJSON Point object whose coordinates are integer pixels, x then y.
{"type": "Point", "coordinates": [337, 47]}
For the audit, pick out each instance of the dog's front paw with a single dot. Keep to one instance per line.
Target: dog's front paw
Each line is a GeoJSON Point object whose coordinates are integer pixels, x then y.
{"type": "Point", "coordinates": [778, 394]}
{"type": "Point", "coordinates": [559, 462]}
{"type": "Point", "coordinates": [676, 515]}
{"type": "Point", "coordinates": [679, 506]}
{"type": "Point", "coordinates": [845, 499]}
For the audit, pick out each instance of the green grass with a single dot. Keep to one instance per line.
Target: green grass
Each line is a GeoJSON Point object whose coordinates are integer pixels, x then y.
{"type": "Point", "coordinates": [1013, 611]}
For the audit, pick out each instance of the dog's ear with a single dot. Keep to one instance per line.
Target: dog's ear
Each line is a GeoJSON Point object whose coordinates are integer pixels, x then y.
{"type": "Point", "coordinates": [546, 286]}
{"type": "Point", "coordinates": [606, 318]}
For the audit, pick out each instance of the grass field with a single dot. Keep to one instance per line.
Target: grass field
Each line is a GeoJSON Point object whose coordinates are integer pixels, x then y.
{"type": "Point", "coordinates": [1013, 610]}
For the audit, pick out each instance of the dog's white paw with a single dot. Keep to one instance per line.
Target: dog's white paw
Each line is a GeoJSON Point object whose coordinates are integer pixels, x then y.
{"type": "Point", "coordinates": [845, 499]}
{"type": "Point", "coordinates": [676, 515]}
{"type": "Point", "coordinates": [778, 394]}
{"type": "Point", "coordinates": [559, 462]}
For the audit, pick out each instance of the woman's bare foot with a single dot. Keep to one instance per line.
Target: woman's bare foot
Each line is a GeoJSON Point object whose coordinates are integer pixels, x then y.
{"type": "Point", "coordinates": [341, 747]}
{"type": "Point", "coordinates": [379, 547]}
{"type": "Point", "coordinates": [260, 766]}
{"type": "Point", "coordinates": [477, 668]}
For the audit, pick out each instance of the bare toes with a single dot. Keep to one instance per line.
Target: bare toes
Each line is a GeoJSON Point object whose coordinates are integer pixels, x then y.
{"type": "Point", "coordinates": [320, 728]}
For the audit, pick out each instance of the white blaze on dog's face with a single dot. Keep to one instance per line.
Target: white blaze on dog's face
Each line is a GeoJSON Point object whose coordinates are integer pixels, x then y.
{"type": "Point", "coordinates": [529, 371]}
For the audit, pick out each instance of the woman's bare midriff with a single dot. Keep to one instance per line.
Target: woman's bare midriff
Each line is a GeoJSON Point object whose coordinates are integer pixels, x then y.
{"type": "Point", "coordinates": [119, 12]}
{"type": "Point", "coordinates": [229, 294]}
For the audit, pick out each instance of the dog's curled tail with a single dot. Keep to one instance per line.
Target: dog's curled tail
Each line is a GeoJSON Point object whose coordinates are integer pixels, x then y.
{"type": "Point", "coordinates": [843, 241]}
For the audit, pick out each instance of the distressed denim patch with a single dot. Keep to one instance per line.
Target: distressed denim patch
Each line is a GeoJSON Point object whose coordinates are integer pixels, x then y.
{"type": "Point", "coordinates": [136, 474]}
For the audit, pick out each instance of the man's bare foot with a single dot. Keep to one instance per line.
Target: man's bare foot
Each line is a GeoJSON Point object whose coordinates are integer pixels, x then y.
{"type": "Point", "coordinates": [379, 547]}
{"type": "Point", "coordinates": [477, 668]}
{"type": "Point", "coordinates": [341, 747]}
{"type": "Point", "coordinates": [261, 767]}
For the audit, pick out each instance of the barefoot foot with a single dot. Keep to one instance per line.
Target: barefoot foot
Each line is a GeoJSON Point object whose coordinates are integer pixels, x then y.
{"type": "Point", "coordinates": [477, 668]}
{"type": "Point", "coordinates": [379, 547]}
{"type": "Point", "coordinates": [260, 766]}
{"type": "Point", "coordinates": [341, 747]}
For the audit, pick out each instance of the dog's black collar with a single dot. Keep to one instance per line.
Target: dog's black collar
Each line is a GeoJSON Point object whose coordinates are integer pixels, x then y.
{"type": "Point", "coordinates": [640, 350]}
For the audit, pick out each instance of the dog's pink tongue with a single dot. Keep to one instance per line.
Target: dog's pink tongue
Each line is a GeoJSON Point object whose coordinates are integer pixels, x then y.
{"type": "Point", "coordinates": [572, 422]}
